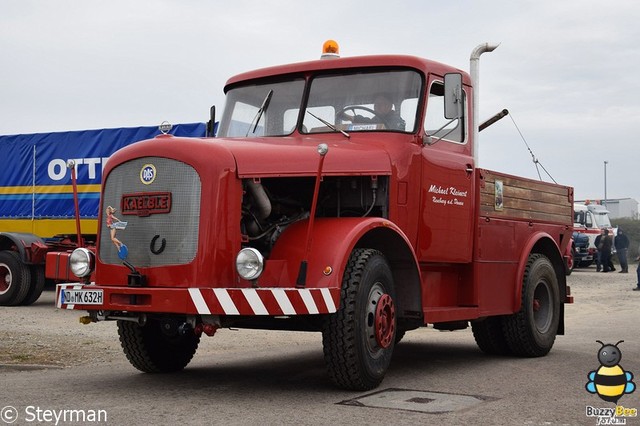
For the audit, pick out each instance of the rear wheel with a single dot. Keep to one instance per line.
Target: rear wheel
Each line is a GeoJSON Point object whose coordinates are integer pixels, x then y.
{"type": "Point", "coordinates": [15, 278]}
{"type": "Point", "coordinates": [490, 337]}
{"type": "Point", "coordinates": [157, 347]}
{"type": "Point", "coordinates": [532, 331]}
{"type": "Point", "coordinates": [359, 338]}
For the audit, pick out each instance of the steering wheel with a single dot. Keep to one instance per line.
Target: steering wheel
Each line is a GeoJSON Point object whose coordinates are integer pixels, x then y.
{"type": "Point", "coordinates": [340, 115]}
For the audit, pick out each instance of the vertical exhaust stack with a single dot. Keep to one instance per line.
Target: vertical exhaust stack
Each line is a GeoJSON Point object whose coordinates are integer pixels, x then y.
{"type": "Point", "coordinates": [475, 80]}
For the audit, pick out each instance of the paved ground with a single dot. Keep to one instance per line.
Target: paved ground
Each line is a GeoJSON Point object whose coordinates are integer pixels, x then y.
{"type": "Point", "coordinates": [257, 378]}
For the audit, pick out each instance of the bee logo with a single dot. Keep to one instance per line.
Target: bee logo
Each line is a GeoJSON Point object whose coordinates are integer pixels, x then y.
{"type": "Point", "coordinates": [610, 381]}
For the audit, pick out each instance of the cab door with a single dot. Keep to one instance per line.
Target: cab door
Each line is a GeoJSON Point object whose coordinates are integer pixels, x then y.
{"type": "Point", "coordinates": [448, 172]}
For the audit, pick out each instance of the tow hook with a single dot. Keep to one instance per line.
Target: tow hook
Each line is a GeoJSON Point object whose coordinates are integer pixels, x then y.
{"type": "Point", "coordinates": [208, 329]}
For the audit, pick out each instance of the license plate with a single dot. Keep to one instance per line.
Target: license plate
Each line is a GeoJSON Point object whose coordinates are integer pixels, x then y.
{"type": "Point", "coordinates": [82, 297]}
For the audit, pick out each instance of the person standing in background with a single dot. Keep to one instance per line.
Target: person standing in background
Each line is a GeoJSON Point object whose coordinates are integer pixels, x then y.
{"type": "Point", "coordinates": [621, 243]}
{"type": "Point", "coordinates": [605, 248]}
{"type": "Point", "coordinates": [598, 245]}
{"type": "Point", "coordinates": [637, 288]}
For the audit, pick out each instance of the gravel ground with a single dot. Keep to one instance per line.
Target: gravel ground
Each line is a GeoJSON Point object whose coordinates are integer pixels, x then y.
{"type": "Point", "coordinates": [40, 334]}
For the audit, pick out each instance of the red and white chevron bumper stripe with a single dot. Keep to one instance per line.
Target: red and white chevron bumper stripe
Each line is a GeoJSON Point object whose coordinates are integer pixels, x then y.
{"type": "Point", "coordinates": [268, 301]}
{"type": "Point", "coordinates": [208, 301]}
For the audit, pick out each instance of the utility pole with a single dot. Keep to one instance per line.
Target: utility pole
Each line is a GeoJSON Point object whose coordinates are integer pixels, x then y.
{"type": "Point", "coordinates": [605, 182]}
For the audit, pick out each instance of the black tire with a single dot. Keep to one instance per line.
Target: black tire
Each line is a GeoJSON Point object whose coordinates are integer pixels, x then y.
{"type": "Point", "coordinates": [150, 349]}
{"type": "Point", "coordinates": [15, 278]}
{"type": "Point", "coordinates": [358, 340]}
{"type": "Point", "coordinates": [490, 337]}
{"type": "Point", "coordinates": [37, 285]}
{"type": "Point", "coordinates": [532, 331]}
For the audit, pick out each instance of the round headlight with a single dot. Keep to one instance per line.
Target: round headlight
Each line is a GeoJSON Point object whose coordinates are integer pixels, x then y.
{"type": "Point", "coordinates": [81, 262]}
{"type": "Point", "coordinates": [249, 263]}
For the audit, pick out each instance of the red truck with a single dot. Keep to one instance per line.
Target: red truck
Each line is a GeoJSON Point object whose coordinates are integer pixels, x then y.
{"type": "Point", "coordinates": [339, 196]}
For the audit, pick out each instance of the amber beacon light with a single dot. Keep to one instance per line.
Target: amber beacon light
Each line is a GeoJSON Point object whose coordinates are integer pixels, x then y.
{"type": "Point", "coordinates": [330, 50]}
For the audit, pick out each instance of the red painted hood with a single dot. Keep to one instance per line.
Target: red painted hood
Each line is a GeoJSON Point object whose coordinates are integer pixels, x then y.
{"type": "Point", "coordinates": [284, 156]}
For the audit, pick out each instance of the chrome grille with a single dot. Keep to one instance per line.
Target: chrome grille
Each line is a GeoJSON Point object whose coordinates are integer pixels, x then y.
{"type": "Point", "coordinates": [178, 228]}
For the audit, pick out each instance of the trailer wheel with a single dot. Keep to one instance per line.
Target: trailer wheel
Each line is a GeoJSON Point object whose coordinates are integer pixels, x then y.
{"type": "Point", "coordinates": [15, 278]}
{"type": "Point", "coordinates": [490, 337]}
{"type": "Point", "coordinates": [153, 349]}
{"type": "Point", "coordinates": [532, 331]}
{"type": "Point", "coordinates": [358, 340]}
{"type": "Point", "coordinates": [37, 285]}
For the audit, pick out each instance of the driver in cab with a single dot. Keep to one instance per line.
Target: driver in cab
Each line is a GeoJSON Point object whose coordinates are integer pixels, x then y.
{"type": "Point", "coordinates": [383, 113]}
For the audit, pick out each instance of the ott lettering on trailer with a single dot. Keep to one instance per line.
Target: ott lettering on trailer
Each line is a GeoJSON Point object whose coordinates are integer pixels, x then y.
{"type": "Point", "coordinates": [447, 196]}
{"type": "Point", "coordinates": [57, 168]}
{"type": "Point", "coordinates": [148, 174]}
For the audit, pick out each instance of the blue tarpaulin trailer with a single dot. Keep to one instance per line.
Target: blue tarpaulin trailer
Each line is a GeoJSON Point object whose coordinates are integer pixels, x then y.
{"type": "Point", "coordinates": [37, 212]}
{"type": "Point", "coordinates": [35, 182]}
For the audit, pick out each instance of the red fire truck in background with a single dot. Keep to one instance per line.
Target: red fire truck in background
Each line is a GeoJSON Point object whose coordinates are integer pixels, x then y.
{"type": "Point", "coordinates": [339, 196]}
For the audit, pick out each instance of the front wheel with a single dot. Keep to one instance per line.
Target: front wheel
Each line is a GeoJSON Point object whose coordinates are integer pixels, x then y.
{"type": "Point", "coordinates": [532, 331]}
{"type": "Point", "coordinates": [358, 340]}
{"type": "Point", "coordinates": [157, 347]}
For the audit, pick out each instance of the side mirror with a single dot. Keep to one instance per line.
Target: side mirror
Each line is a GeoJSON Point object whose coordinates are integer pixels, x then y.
{"type": "Point", "coordinates": [453, 96]}
{"type": "Point", "coordinates": [211, 124]}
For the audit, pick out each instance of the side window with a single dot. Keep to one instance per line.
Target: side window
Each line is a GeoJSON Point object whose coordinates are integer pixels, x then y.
{"type": "Point", "coordinates": [435, 123]}
{"type": "Point", "coordinates": [588, 220]}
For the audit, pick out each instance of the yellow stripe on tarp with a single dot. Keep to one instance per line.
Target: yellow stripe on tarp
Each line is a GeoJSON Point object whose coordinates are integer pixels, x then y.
{"type": "Point", "coordinates": [48, 189]}
{"type": "Point", "coordinates": [48, 227]}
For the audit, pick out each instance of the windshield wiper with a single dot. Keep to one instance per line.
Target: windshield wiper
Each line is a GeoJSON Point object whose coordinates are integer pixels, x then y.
{"type": "Point", "coordinates": [261, 110]}
{"type": "Point", "coordinates": [329, 125]}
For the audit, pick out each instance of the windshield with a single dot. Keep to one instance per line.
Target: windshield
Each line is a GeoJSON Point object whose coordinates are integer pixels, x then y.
{"type": "Point", "coordinates": [353, 102]}
{"type": "Point", "coordinates": [262, 109]}
{"type": "Point", "coordinates": [602, 220]}
{"type": "Point", "coordinates": [363, 102]}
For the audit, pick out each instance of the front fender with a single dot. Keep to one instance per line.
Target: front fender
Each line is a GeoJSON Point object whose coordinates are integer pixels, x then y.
{"type": "Point", "coordinates": [333, 240]}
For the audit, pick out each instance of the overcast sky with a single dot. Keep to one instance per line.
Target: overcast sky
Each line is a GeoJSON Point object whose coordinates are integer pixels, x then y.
{"type": "Point", "coordinates": [566, 70]}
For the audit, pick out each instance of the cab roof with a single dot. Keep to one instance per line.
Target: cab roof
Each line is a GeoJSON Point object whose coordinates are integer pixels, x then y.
{"type": "Point", "coordinates": [425, 66]}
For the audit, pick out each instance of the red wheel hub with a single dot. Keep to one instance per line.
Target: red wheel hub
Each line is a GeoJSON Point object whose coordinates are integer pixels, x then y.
{"type": "Point", "coordinates": [536, 305]}
{"type": "Point", "coordinates": [385, 324]}
{"type": "Point", "coordinates": [5, 278]}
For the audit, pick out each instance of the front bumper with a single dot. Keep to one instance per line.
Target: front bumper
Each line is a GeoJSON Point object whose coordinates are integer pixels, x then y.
{"type": "Point", "coordinates": [207, 301]}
